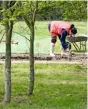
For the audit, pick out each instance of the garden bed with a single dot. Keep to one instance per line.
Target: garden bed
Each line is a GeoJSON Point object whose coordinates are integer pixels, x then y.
{"type": "Point", "coordinates": [76, 57]}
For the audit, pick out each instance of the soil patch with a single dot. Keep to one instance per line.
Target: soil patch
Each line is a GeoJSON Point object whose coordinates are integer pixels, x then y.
{"type": "Point", "coordinates": [76, 57]}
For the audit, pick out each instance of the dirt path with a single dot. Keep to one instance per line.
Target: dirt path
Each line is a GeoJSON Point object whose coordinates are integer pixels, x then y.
{"type": "Point", "coordinates": [42, 61]}
{"type": "Point", "coordinates": [46, 59]}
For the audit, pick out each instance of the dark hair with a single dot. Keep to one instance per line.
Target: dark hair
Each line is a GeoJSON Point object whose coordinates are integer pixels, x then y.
{"type": "Point", "coordinates": [72, 25]}
{"type": "Point", "coordinates": [74, 30]}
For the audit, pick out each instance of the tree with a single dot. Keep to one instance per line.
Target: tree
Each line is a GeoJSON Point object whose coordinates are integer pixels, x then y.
{"type": "Point", "coordinates": [63, 10]}
{"type": "Point", "coordinates": [29, 9]}
{"type": "Point", "coordinates": [11, 10]}
{"type": "Point", "coordinates": [53, 12]}
{"type": "Point", "coordinates": [8, 30]}
{"type": "Point", "coordinates": [74, 10]}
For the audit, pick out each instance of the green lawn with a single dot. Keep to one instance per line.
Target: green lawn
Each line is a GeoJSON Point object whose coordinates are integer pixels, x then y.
{"type": "Point", "coordinates": [56, 87]}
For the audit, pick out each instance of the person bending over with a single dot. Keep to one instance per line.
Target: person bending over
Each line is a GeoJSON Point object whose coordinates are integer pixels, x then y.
{"type": "Point", "coordinates": [60, 29]}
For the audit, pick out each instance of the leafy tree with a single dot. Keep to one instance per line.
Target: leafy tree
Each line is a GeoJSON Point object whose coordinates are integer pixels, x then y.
{"type": "Point", "coordinates": [8, 24]}
{"type": "Point", "coordinates": [48, 10]}
{"type": "Point", "coordinates": [10, 13]}
{"type": "Point", "coordinates": [63, 10]}
{"type": "Point", "coordinates": [74, 10]}
{"type": "Point", "coordinates": [28, 11]}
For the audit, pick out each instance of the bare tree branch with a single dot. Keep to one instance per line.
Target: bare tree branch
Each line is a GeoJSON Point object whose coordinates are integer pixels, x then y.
{"type": "Point", "coordinates": [25, 30]}
{"type": "Point", "coordinates": [22, 35]}
{"type": "Point", "coordinates": [2, 37]}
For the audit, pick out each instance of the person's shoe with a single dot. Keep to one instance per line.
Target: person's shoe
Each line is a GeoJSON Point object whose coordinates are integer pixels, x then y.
{"type": "Point", "coordinates": [52, 54]}
{"type": "Point", "coordinates": [64, 53]}
{"type": "Point", "coordinates": [67, 50]}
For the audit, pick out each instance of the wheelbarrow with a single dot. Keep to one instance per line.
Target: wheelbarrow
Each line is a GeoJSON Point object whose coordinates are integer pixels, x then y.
{"type": "Point", "coordinates": [82, 39]}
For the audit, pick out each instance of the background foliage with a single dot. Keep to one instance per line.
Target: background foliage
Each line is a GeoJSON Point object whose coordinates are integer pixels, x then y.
{"type": "Point", "coordinates": [63, 10]}
{"type": "Point", "coordinates": [59, 10]}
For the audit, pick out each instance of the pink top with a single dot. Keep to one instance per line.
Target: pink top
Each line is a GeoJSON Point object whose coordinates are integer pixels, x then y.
{"type": "Point", "coordinates": [57, 26]}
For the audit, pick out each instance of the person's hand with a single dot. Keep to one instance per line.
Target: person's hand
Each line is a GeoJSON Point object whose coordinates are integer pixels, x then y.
{"type": "Point", "coordinates": [72, 35]}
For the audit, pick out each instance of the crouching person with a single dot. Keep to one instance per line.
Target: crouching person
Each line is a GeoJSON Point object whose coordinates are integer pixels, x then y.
{"type": "Point", "coordinates": [60, 29]}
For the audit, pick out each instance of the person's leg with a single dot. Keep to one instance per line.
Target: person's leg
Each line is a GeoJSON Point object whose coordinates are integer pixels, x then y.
{"type": "Point", "coordinates": [63, 38]}
{"type": "Point", "coordinates": [53, 41]}
{"type": "Point", "coordinates": [52, 46]}
{"type": "Point", "coordinates": [63, 42]}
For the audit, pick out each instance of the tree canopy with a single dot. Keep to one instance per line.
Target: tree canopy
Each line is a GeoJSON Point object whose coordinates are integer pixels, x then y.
{"type": "Point", "coordinates": [58, 10]}
{"type": "Point", "coordinates": [63, 10]}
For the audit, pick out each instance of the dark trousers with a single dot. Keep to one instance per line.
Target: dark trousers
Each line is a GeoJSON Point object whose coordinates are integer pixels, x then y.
{"type": "Point", "coordinates": [63, 39]}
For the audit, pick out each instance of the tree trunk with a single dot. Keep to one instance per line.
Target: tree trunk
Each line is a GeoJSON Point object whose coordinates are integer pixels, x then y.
{"type": "Point", "coordinates": [8, 30]}
{"type": "Point", "coordinates": [30, 21]}
{"type": "Point", "coordinates": [7, 96]}
{"type": "Point", "coordinates": [31, 55]}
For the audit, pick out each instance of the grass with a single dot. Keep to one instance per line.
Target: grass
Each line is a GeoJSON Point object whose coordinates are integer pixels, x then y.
{"type": "Point", "coordinates": [56, 87]}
